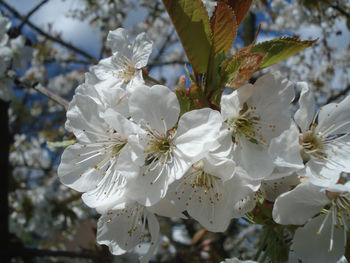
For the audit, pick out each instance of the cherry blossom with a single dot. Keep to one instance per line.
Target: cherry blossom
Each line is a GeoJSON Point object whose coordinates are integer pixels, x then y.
{"type": "Point", "coordinates": [168, 146]}
{"type": "Point", "coordinates": [321, 232]}
{"type": "Point", "coordinates": [324, 137]}
{"type": "Point", "coordinates": [123, 68]}
{"type": "Point", "coordinates": [255, 119]}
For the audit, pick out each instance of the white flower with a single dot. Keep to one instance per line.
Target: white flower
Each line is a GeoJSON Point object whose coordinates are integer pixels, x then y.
{"type": "Point", "coordinates": [124, 228]}
{"type": "Point", "coordinates": [255, 119]}
{"type": "Point", "coordinates": [324, 139]}
{"type": "Point", "coordinates": [91, 164]}
{"type": "Point", "coordinates": [212, 201]}
{"type": "Point", "coordinates": [4, 27]}
{"type": "Point", "coordinates": [211, 192]}
{"type": "Point", "coordinates": [22, 54]}
{"type": "Point", "coordinates": [168, 147]}
{"type": "Point", "coordinates": [123, 68]}
{"type": "Point", "coordinates": [321, 239]}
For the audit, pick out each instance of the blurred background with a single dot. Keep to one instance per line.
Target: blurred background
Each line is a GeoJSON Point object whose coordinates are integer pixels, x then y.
{"type": "Point", "coordinates": [53, 43]}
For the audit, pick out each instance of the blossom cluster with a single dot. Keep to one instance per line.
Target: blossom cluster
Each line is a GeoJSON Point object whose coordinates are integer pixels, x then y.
{"type": "Point", "coordinates": [138, 156]}
{"type": "Point", "coordinates": [13, 53]}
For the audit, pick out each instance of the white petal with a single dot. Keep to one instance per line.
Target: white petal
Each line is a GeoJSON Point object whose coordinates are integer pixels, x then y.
{"type": "Point", "coordinates": [319, 174]}
{"type": "Point", "coordinates": [312, 247]}
{"type": "Point", "coordinates": [338, 154]}
{"type": "Point", "coordinates": [300, 204]}
{"type": "Point", "coordinates": [118, 230]}
{"type": "Point", "coordinates": [142, 49]}
{"type": "Point", "coordinates": [157, 105]}
{"type": "Point", "coordinates": [222, 168]}
{"type": "Point", "coordinates": [118, 40]}
{"type": "Point", "coordinates": [149, 187]}
{"type": "Point", "coordinates": [84, 119]}
{"type": "Point", "coordinates": [115, 98]}
{"type": "Point", "coordinates": [231, 104]}
{"type": "Point", "coordinates": [197, 133]}
{"type": "Point", "coordinates": [281, 93]}
{"type": "Point", "coordinates": [76, 169]}
{"type": "Point", "coordinates": [305, 114]}
{"type": "Point", "coordinates": [335, 116]}
{"type": "Point", "coordinates": [271, 189]}
{"type": "Point", "coordinates": [214, 217]}
{"type": "Point", "coordinates": [153, 226]}
{"type": "Point", "coordinates": [254, 159]}
{"type": "Point", "coordinates": [109, 193]}
{"type": "Point", "coordinates": [105, 68]}
{"type": "Point", "coordinates": [121, 124]}
{"type": "Point", "coordinates": [166, 208]}
{"type": "Point", "coordinates": [285, 149]}
{"type": "Point", "coordinates": [243, 195]}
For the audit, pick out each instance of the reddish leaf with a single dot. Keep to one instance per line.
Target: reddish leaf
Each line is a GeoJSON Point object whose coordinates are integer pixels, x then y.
{"type": "Point", "coordinates": [224, 28]}
{"type": "Point", "coordinates": [239, 67]}
{"type": "Point", "coordinates": [249, 64]}
{"type": "Point", "coordinates": [240, 7]}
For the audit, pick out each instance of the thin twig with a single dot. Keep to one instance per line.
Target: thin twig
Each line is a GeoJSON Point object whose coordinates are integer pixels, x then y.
{"type": "Point", "coordinates": [38, 87]}
{"type": "Point", "coordinates": [41, 32]}
{"type": "Point", "coordinates": [30, 13]}
{"type": "Point", "coordinates": [33, 252]}
{"type": "Point", "coordinates": [162, 49]}
{"type": "Point", "coordinates": [338, 95]}
{"type": "Point", "coordinates": [51, 95]}
{"type": "Point", "coordinates": [163, 63]}
{"type": "Point", "coordinates": [69, 60]}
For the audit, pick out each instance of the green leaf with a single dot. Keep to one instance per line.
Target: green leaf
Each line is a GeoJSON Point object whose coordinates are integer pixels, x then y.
{"type": "Point", "coordinates": [214, 82]}
{"type": "Point", "coordinates": [186, 100]}
{"type": "Point", "coordinates": [61, 144]}
{"type": "Point", "coordinates": [280, 48]}
{"type": "Point", "coordinates": [191, 22]}
{"type": "Point", "coordinates": [224, 28]}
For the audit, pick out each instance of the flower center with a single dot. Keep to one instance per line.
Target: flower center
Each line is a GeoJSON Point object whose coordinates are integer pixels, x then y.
{"type": "Point", "coordinates": [199, 178]}
{"type": "Point", "coordinates": [341, 201]}
{"type": "Point", "coordinates": [312, 146]}
{"type": "Point", "coordinates": [111, 149]}
{"type": "Point", "coordinates": [159, 148]}
{"type": "Point", "coordinates": [127, 69]}
{"type": "Point", "coordinates": [246, 125]}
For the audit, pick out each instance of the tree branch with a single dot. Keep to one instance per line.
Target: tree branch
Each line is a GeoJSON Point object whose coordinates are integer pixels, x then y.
{"type": "Point", "coordinates": [48, 36]}
{"type": "Point", "coordinates": [340, 10]}
{"type": "Point", "coordinates": [33, 252]}
{"type": "Point", "coordinates": [5, 168]}
{"type": "Point", "coordinates": [30, 13]}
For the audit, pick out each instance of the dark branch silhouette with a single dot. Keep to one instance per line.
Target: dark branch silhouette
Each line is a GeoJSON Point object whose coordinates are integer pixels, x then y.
{"type": "Point", "coordinates": [48, 36]}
